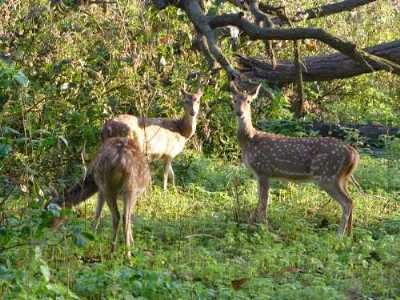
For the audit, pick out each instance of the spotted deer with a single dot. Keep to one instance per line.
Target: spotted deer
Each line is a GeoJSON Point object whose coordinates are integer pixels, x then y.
{"type": "Point", "coordinates": [119, 167]}
{"type": "Point", "coordinates": [159, 138]}
{"type": "Point", "coordinates": [326, 161]}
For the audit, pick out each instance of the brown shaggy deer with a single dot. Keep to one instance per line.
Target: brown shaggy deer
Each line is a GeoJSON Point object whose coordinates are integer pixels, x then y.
{"type": "Point", "coordinates": [326, 161]}
{"type": "Point", "coordinates": [159, 138]}
{"type": "Point", "coordinates": [119, 167]}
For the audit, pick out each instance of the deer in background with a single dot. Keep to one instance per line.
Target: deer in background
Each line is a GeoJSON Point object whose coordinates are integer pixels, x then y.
{"type": "Point", "coordinates": [119, 167]}
{"type": "Point", "coordinates": [326, 161]}
{"type": "Point", "coordinates": [159, 138]}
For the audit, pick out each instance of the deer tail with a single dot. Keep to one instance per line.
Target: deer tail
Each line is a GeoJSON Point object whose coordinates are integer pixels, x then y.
{"type": "Point", "coordinates": [352, 163]}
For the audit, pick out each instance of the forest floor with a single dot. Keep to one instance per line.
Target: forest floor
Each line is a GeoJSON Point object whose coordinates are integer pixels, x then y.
{"type": "Point", "coordinates": [194, 242]}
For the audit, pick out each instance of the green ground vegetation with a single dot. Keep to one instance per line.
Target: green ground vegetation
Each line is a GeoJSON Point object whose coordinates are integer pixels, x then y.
{"type": "Point", "coordinates": [65, 69]}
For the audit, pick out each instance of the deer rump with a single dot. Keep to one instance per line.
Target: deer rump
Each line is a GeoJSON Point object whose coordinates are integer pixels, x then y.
{"type": "Point", "coordinates": [119, 162]}
{"type": "Point", "coordinates": [119, 167]}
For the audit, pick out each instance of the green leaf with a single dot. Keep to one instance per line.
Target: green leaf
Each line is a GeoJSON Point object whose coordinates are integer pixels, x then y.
{"type": "Point", "coordinates": [79, 240]}
{"type": "Point", "coordinates": [9, 130]}
{"type": "Point", "coordinates": [6, 274]}
{"type": "Point", "coordinates": [60, 290]}
{"type": "Point", "coordinates": [21, 79]}
{"type": "Point", "coordinates": [4, 150]}
{"type": "Point", "coordinates": [44, 269]}
{"type": "Point", "coordinates": [88, 235]}
{"type": "Point", "coordinates": [64, 140]}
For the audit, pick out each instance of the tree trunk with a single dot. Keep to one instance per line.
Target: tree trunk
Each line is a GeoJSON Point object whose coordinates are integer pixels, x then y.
{"type": "Point", "coordinates": [319, 68]}
{"type": "Point", "coordinates": [370, 133]}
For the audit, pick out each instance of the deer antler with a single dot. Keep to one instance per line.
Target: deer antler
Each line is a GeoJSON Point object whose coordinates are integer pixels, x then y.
{"type": "Point", "coordinates": [199, 93]}
{"type": "Point", "coordinates": [184, 91]}
{"type": "Point", "coordinates": [233, 87]}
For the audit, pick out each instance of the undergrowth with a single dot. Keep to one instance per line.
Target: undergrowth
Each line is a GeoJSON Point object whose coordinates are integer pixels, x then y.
{"type": "Point", "coordinates": [194, 242]}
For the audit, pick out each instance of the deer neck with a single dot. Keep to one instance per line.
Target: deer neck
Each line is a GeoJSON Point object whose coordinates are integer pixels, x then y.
{"type": "Point", "coordinates": [246, 131]}
{"type": "Point", "coordinates": [188, 125]}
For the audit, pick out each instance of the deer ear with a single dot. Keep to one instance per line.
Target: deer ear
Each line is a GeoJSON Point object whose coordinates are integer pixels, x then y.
{"type": "Point", "coordinates": [184, 92]}
{"type": "Point", "coordinates": [255, 92]}
{"type": "Point", "coordinates": [233, 87]}
{"type": "Point", "coordinates": [198, 94]}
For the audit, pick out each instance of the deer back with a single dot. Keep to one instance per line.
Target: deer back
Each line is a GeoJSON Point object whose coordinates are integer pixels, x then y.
{"type": "Point", "coordinates": [296, 158]}
{"type": "Point", "coordinates": [156, 137]}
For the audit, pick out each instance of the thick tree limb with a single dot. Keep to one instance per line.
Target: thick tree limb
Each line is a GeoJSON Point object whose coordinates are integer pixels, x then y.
{"type": "Point", "coordinates": [319, 68]}
{"type": "Point", "coordinates": [257, 33]}
{"type": "Point", "coordinates": [205, 25]}
{"type": "Point", "coordinates": [200, 21]}
{"type": "Point", "coordinates": [264, 21]}
{"type": "Point", "coordinates": [200, 43]}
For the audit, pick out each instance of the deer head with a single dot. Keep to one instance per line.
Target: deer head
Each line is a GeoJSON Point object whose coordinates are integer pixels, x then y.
{"type": "Point", "coordinates": [191, 102]}
{"type": "Point", "coordinates": [242, 100]}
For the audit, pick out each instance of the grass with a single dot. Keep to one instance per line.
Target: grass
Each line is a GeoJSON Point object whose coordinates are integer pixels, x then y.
{"type": "Point", "coordinates": [194, 242]}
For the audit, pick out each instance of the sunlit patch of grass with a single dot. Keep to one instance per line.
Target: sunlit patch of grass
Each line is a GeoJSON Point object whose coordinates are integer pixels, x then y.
{"type": "Point", "coordinates": [194, 241]}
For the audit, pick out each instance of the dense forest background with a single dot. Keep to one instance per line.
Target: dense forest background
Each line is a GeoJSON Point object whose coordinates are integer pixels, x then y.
{"type": "Point", "coordinates": [66, 67]}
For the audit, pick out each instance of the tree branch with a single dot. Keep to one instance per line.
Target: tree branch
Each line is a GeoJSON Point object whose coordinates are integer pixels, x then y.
{"type": "Point", "coordinates": [263, 20]}
{"type": "Point", "coordinates": [312, 13]}
{"type": "Point", "coordinates": [257, 33]}
{"type": "Point", "coordinates": [320, 68]}
{"type": "Point", "coordinates": [205, 25]}
{"type": "Point", "coordinates": [329, 9]}
{"type": "Point", "coordinates": [200, 21]}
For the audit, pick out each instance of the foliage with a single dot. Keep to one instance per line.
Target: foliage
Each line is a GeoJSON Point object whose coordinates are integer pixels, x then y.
{"type": "Point", "coordinates": [189, 243]}
{"type": "Point", "coordinates": [65, 69]}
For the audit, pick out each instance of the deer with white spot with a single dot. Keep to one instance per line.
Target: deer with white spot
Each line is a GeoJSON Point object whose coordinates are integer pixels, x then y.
{"type": "Point", "coordinates": [326, 161]}
{"type": "Point", "coordinates": [159, 138]}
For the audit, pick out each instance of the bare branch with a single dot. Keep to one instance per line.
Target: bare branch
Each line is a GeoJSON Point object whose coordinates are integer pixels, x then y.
{"type": "Point", "coordinates": [312, 13]}
{"type": "Point", "coordinates": [329, 9]}
{"type": "Point", "coordinates": [205, 25]}
{"type": "Point", "coordinates": [257, 33]}
{"type": "Point", "coordinates": [259, 16]}
{"type": "Point", "coordinates": [320, 68]}
{"type": "Point", "coordinates": [200, 21]}
{"type": "Point", "coordinates": [263, 21]}
{"type": "Point", "coordinates": [200, 43]}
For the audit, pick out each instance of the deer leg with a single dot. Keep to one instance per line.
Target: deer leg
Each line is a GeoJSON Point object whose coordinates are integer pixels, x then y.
{"type": "Point", "coordinates": [260, 213]}
{"type": "Point", "coordinates": [337, 192]}
{"type": "Point", "coordinates": [343, 186]}
{"type": "Point", "coordinates": [112, 204]}
{"type": "Point", "coordinates": [168, 171]}
{"type": "Point", "coordinates": [171, 173]}
{"type": "Point", "coordinates": [99, 208]}
{"type": "Point", "coordinates": [129, 203]}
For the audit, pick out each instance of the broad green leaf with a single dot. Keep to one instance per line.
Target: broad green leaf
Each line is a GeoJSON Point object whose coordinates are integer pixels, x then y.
{"type": "Point", "coordinates": [22, 79]}
{"type": "Point", "coordinates": [88, 235]}
{"type": "Point", "coordinates": [4, 150]}
{"type": "Point", "coordinates": [44, 269]}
